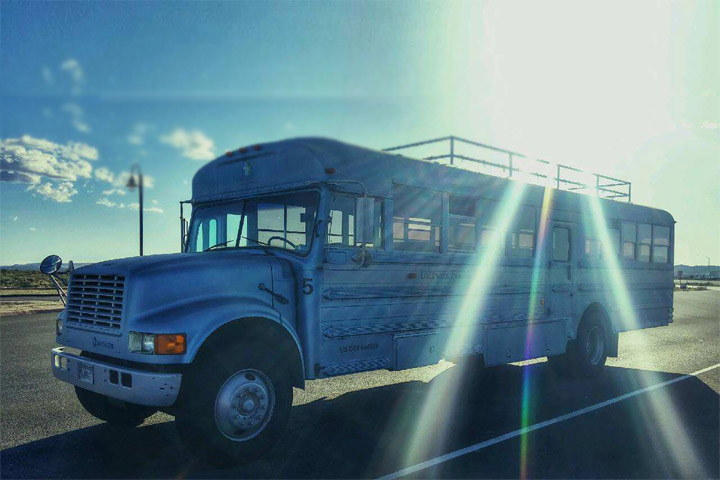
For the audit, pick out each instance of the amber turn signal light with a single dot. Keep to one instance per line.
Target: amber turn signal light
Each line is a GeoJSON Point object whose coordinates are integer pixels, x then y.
{"type": "Point", "coordinates": [170, 344]}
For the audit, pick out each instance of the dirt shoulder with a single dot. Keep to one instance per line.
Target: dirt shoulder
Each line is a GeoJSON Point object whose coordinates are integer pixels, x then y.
{"type": "Point", "coordinates": [20, 305]}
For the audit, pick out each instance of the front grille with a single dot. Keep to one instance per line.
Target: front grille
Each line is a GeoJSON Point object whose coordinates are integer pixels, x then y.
{"type": "Point", "coordinates": [95, 300]}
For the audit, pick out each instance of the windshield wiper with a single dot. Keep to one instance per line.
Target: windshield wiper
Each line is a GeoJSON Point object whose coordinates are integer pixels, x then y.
{"type": "Point", "coordinates": [221, 244]}
{"type": "Point", "coordinates": [262, 245]}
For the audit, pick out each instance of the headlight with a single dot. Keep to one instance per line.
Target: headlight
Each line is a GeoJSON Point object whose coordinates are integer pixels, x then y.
{"type": "Point", "coordinates": [160, 344]}
{"type": "Point", "coordinates": [58, 327]}
{"type": "Point", "coordinates": [141, 343]}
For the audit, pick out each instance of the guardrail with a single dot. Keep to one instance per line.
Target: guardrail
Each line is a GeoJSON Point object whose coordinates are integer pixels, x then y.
{"type": "Point", "coordinates": [604, 186]}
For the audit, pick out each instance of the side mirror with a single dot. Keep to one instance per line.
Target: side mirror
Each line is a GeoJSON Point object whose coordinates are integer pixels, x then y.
{"type": "Point", "coordinates": [50, 264]}
{"type": "Point", "coordinates": [365, 220]}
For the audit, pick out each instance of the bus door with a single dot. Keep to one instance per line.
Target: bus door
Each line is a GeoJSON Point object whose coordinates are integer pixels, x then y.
{"type": "Point", "coordinates": [562, 254]}
{"type": "Point", "coordinates": [354, 301]}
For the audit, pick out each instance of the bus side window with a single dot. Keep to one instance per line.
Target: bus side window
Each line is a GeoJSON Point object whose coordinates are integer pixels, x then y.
{"type": "Point", "coordinates": [661, 244]}
{"type": "Point", "coordinates": [614, 236]}
{"type": "Point", "coordinates": [594, 248]}
{"type": "Point", "coordinates": [629, 238]}
{"type": "Point", "coordinates": [212, 232]}
{"type": "Point", "coordinates": [200, 236]}
{"type": "Point", "coordinates": [417, 217]}
{"type": "Point", "coordinates": [491, 238]}
{"type": "Point", "coordinates": [522, 237]}
{"type": "Point", "coordinates": [341, 228]}
{"type": "Point", "coordinates": [462, 224]}
{"type": "Point", "coordinates": [644, 231]}
{"type": "Point", "coordinates": [561, 244]}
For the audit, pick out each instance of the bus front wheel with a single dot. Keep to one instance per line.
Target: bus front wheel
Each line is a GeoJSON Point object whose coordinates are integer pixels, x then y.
{"type": "Point", "coordinates": [234, 406]}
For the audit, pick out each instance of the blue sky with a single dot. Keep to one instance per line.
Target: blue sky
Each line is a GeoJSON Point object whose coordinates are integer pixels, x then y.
{"type": "Point", "coordinates": [88, 89]}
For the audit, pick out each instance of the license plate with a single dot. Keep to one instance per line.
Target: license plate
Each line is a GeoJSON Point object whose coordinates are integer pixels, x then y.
{"type": "Point", "coordinates": [86, 373]}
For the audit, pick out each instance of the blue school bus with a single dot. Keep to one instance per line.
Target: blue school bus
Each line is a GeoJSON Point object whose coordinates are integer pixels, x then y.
{"type": "Point", "coordinates": [310, 258]}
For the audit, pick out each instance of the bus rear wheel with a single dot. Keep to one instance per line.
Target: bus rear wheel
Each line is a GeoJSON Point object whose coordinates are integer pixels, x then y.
{"type": "Point", "coordinates": [234, 407]}
{"type": "Point", "coordinates": [586, 355]}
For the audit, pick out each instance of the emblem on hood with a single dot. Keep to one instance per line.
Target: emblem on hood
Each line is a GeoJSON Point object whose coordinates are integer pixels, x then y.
{"type": "Point", "coordinates": [102, 343]}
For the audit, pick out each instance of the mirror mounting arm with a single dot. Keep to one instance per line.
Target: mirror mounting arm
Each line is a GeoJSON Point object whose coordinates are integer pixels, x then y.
{"type": "Point", "coordinates": [50, 266]}
{"type": "Point", "coordinates": [61, 292]}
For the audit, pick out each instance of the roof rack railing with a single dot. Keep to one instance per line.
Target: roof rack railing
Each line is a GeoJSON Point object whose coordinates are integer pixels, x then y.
{"type": "Point", "coordinates": [564, 177]}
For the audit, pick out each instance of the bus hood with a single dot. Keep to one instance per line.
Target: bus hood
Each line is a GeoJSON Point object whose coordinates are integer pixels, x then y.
{"type": "Point", "coordinates": [160, 285]}
{"type": "Point", "coordinates": [174, 261]}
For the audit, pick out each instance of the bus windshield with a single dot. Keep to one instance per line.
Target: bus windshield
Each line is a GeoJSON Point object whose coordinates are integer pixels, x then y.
{"type": "Point", "coordinates": [279, 221]}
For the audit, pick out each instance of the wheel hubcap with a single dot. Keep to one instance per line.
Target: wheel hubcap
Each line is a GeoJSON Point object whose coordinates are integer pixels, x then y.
{"type": "Point", "coordinates": [595, 346]}
{"type": "Point", "coordinates": [244, 405]}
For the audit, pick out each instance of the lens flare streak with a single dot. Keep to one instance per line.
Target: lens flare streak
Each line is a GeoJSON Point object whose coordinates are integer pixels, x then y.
{"type": "Point", "coordinates": [535, 299]}
{"type": "Point", "coordinates": [432, 426]}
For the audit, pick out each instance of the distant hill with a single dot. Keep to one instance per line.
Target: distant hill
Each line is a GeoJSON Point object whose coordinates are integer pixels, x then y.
{"type": "Point", "coordinates": [26, 267]}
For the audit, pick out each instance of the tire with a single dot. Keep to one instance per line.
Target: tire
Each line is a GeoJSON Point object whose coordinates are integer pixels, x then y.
{"type": "Point", "coordinates": [234, 405]}
{"type": "Point", "coordinates": [113, 411]}
{"type": "Point", "coordinates": [588, 352]}
{"type": "Point", "coordinates": [586, 355]}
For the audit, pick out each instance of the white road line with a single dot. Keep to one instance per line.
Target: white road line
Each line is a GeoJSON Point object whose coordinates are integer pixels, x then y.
{"type": "Point", "coordinates": [479, 446]}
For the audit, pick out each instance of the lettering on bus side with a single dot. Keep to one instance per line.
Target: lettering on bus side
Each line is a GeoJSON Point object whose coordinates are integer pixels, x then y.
{"type": "Point", "coordinates": [443, 275]}
{"type": "Point", "coordinates": [358, 347]}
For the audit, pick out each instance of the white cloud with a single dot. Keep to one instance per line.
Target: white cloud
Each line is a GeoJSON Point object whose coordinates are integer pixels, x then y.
{"type": "Point", "coordinates": [14, 219]}
{"type": "Point", "coordinates": [81, 126]}
{"type": "Point", "coordinates": [120, 180]}
{"type": "Point", "coordinates": [77, 116]}
{"type": "Point", "coordinates": [193, 144]}
{"type": "Point", "coordinates": [29, 160]}
{"type": "Point", "coordinates": [60, 193]}
{"type": "Point", "coordinates": [106, 202]}
{"type": "Point", "coordinates": [104, 174]}
{"type": "Point", "coordinates": [33, 229]}
{"type": "Point", "coordinates": [117, 191]}
{"type": "Point", "coordinates": [711, 125]}
{"type": "Point", "coordinates": [136, 207]}
{"type": "Point", "coordinates": [48, 76]}
{"type": "Point", "coordinates": [26, 159]}
{"type": "Point", "coordinates": [76, 72]}
{"type": "Point", "coordinates": [137, 135]}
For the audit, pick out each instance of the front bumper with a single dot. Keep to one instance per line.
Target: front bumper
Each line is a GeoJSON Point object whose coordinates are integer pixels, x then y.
{"type": "Point", "coordinates": [130, 385]}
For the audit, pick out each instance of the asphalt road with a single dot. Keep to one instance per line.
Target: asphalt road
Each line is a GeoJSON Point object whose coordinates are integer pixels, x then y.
{"type": "Point", "coordinates": [371, 425]}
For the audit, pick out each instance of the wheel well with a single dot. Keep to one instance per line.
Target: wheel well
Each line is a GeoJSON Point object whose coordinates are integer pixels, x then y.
{"type": "Point", "coordinates": [596, 310]}
{"type": "Point", "coordinates": [261, 332]}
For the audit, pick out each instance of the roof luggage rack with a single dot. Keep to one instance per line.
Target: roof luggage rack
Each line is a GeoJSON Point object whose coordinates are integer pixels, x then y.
{"type": "Point", "coordinates": [482, 158]}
